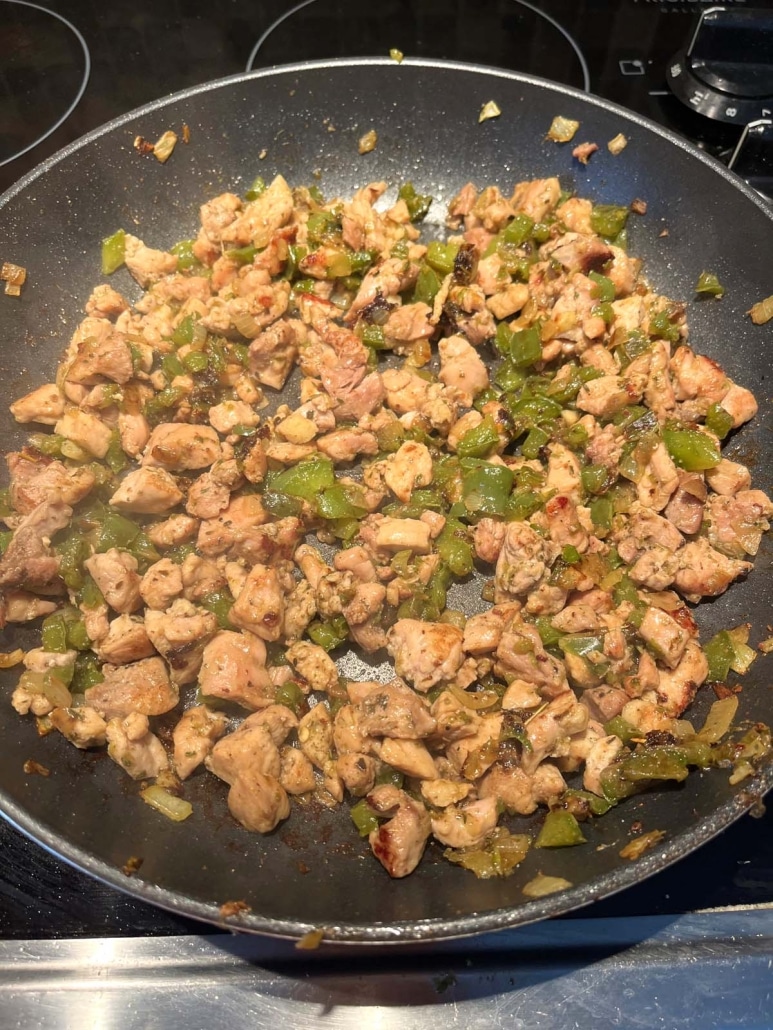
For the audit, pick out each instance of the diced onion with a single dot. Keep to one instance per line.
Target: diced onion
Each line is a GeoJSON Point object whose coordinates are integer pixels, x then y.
{"type": "Point", "coordinates": [174, 808]}
{"type": "Point", "coordinates": [542, 885]}
{"type": "Point", "coordinates": [762, 311]}
{"type": "Point", "coordinates": [719, 720]}
{"type": "Point", "coordinates": [489, 110]}
{"type": "Point", "coordinates": [10, 658]}
{"type": "Point", "coordinates": [636, 848]}
{"type": "Point", "coordinates": [396, 55]}
{"type": "Point", "coordinates": [162, 149]}
{"type": "Point", "coordinates": [477, 701]}
{"type": "Point", "coordinates": [562, 130]}
{"type": "Point", "coordinates": [310, 941]}
{"type": "Point", "coordinates": [368, 142]}
{"type": "Point", "coordinates": [617, 144]}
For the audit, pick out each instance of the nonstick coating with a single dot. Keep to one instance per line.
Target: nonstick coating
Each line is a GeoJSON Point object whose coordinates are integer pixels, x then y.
{"type": "Point", "coordinates": [305, 122]}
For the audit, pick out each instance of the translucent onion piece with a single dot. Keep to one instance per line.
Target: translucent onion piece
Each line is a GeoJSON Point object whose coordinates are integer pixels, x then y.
{"type": "Point", "coordinates": [167, 804]}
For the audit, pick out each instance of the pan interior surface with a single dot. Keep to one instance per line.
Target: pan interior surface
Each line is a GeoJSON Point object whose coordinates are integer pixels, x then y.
{"type": "Point", "coordinates": [305, 122]}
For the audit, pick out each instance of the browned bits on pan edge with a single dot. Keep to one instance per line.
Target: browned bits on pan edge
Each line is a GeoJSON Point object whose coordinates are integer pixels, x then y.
{"type": "Point", "coordinates": [234, 909]}
{"type": "Point", "coordinates": [636, 848]}
{"type": "Point", "coordinates": [132, 865]}
{"type": "Point", "coordinates": [639, 206]}
{"type": "Point", "coordinates": [14, 277]}
{"type": "Point", "coordinates": [33, 768]}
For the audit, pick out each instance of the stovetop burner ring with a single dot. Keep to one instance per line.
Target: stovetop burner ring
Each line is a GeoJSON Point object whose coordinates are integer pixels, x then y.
{"type": "Point", "coordinates": [81, 88]}
{"type": "Point", "coordinates": [521, 3]}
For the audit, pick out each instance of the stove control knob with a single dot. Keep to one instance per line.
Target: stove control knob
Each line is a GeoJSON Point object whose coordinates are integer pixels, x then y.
{"type": "Point", "coordinates": [726, 71]}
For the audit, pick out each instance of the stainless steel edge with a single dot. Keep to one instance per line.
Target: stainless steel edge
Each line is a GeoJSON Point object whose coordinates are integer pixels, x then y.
{"type": "Point", "coordinates": [693, 971]}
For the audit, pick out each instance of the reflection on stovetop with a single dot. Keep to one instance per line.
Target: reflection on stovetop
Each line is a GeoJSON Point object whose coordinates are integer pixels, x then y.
{"type": "Point", "coordinates": [140, 51]}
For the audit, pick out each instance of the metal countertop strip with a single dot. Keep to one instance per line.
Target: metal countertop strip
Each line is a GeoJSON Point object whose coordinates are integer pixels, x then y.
{"type": "Point", "coordinates": [677, 973]}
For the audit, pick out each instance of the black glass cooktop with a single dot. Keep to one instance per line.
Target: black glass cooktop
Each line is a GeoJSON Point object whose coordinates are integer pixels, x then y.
{"type": "Point", "coordinates": [67, 67]}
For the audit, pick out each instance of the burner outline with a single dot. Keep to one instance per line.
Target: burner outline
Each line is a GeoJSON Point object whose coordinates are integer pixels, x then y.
{"type": "Point", "coordinates": [81, 90]}
{"type": "Point", "coordinates": [521, 3]}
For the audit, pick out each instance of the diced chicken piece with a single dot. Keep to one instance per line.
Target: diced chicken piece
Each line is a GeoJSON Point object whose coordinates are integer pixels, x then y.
{"type": "Point", "coordinates": [142, 687]}
{"type": "Point", "coordinates": [358, 773]}
{"type": "Point", "coordinates": [274, 350]}
{"type": "Point", "coordinates": [736, 523]}
{"type": "Point", "coordinates": [577, 252]}
{"type": "Point", "coordinates": [605, 396]}
{"type": "Point", "coordinates": [345, 444]}
{"type": "Point", "coordinates": [247, 750]}
{"type": "Point", "coordinates": [126, 641]}
{"type": "Point", "coordinates": [162, 584]}
{"type": "Point", "coordinates": [403, 535]}
{"type": "Point", "coordinates": [409, 468]}
{"type": "Point", "coordinates": [521, 563]}
{"type": "Point", "coordinates": [454, 720]}
{"type": "Point", "coordinates": [522, 654]}
{"type": "Point", "coordinates": [107, 357]}
{"type": "Point", "coordinates": [564, 524]}
{"type": "Point", "coordinates": [704, 572]}
{"type": "Point", "coordinates": [488, 539]}
{"type": "Point", "coordinates": [44, 405]}
{"type": "Point", "coordinates": [464, 826]}
{"type": "Point", "coordinates": [548, 731]}
{"type": "Point", "coordinates": [233, 527]}
{"type": "Point", "coordinates": [602, 754]}
{"type": "Point", "coordinates": [200, 578]}
{"type": "Point", "coordinates": [472, 755]}
{"type": "Point", "coordinates": [233, 668]}
{"type": "Point", "coordinates": [441, 793]}
{"type": "Point", "coordinates": [695, 375]}
{"type": "Point", "coordinates": [740, 404]}
{"type": "Point", "coordinates": [655, 568]}
{"type": "Point", "coordinates": [462, 369]}
{"type": "Point", "coordinates": [28, 560]}
{"type": "Point", "coordinates": [409, 323]}
{"type": "Point", "coordinates": [426, 653]}
{"type": "Point", "coordinates": [659, 481]}
{"type": "Point", "coordinates": [508, 301]}
{"type": "Point", "coordinates": [576, 618]}
{"type": "Point", "coordinates": [399, 843]}
{"type": "Point", "coordinates": [575, 214]}
{"type": "Point", "coordinates": [194, 736]}
{"type": "Point", "coordinates": [564, 472]}
{"type": "Point", "coordinates": [259, 219]}
{"type": "Point", "coordinates": [84, 727]}
{"type": "Point", "coordinates": [225, 416]}
{"type": "Point", "coordinates": [410, 757]}
{"type": "Point", "coordinates": [604, 703]}
{"type": "Point", "coordinates": [259, 607]}
{"type": "Point", "coordinates": [175, 530]}
{"type": "Point", "coordinates": [35, 479]}
{"type": "Point", "coordinates": [180, 634]}
{"type": "Point", "coordinates": [678, 687]}
{"type": "Point", "coordinates": [520, 695]}
{"type": "Point", "coordinates": [258, 802]}
{"type": "Point", "coordinates": [646, 529]}
{"type": "Point", "coordinates": [105, 302]}
{"type": "Point", "coordinates": [132, 746]}
{"type": "Point", "coordinates": [728, 477]}
{"type": "Point", "coordinates": [146, 265]}
{"type": "Point", "coordinates": [315, 735]}
{"type": "Point", "coordinates": [178, 447]}
{"type": "Point", "coordinates": [521, 793]}
{"type": "Point", "coordinates": [115, 573]}
{"type": "Point", "coordinates": [685, 509]}
{"type": "Point", "coordinates": [314, 665]}
{"type": "Point", "coordinates": [394, 710]}
{"type": "Point", "coordinates": [90, 433]}
{"type": "Point", "coordinates": [296, 773]}
{"type": "Point", "coordinates": [536, 198]}
{"type": "Point", "coordinates": [147, 491]}
{"type": "Point", "coordinates": [666, 638]}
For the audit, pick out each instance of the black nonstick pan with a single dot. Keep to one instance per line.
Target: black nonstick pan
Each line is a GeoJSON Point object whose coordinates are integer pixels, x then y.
{"type": "Point", "coordinates": [305, 122]}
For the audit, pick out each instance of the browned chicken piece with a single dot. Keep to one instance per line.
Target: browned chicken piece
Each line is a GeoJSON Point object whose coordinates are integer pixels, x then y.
{"type": "Point", "coordinates": [465, 825]}
{"type": "Point", "coordinates": [258, 802]}
{"type": "Point", "coordinates": [142, 686]}
{"type": "Point", "coordinates": [315, 736]}
{"type": "Point", "coordinates": [178, 447]}
{"type": "Point", "coordinates": [425, 653]}
{"type": "Point", "coordinates": [601, 755]}
{"type": "Point", "coordinates": [519, 792]}
{"type": "Point", "coordinates": [399, 843]}
{"type": "Point", "coordinates": [659, 481]}
{"type": "Point", "coordinates": [358, 773]}
{"type": "Point", "coordinates": [126, 641]}
{"type": "Point", "coordinates": [736, 523]}
{"type": "Point", "coordinates": [105, 302]}
{"type": "Point", "coordinates": [84, 727]}
{"type": "Point", "coordinates": [296, 773]}
{"type": "Point", "coordinates": [576, 618]}
{"type": "Point", "coordinates": [521, 563]}
{"type": "Point", "coordinates": [95, 359]}
{"type": "Point", "coordinates": [409, 468]}
{"type": "Point", "coordinates": [508, 301]}
{"type": "Point", "coordinates": [393, 710]}
{"type": "Point", "coordinates": [536, 197]}
{"type": "Point", "coordinates": [273, 351]}
{"type": "Point", "coordinates": [606, 396]}
{"type": "Point", "coordinates": [488, 539]}
{"type": "Point", "coordinates": [522, 655]}
{"type": "Point", "coordinates": [115, 573]}
{"type": "Point", "coordinates": [564, 525]}
{"type": "Point", "coordinates": [605, 447]}
{"type": "Point", "coordinates": [643, 530]}
{"type": "Point", "coordinates": [248, 749]}
{"type": "Point", "coordinates": [232, 526]}
{"type": "Point", "coordinates": [26, 698]}
{"type": "Point", "coordinates": [28, 560]}
{"type": "Point", "coordinates": [740, 404]}
{"type": "Point", "coordinates": [44, 405]}
{"type": "Point", "coordinates": [200, 578]}
{"type": "Point", "coordinates": [549, 730]}
{"type": "Point", "coordinates": [473, 754]}
{"type": "Point", "coordinates": [678, 687]}
{"type": "Point", "coordinates": [259, 607]}
{"type": "Point", "coordinates": [577, 252]}
{"type": "Point", "coordinates": [363, 614]}
{"type": "Point", "coordinates": [440, 793]}
{"type": "Point", "coordinates": [343, 445]}
{"type": "Point", "coordinates": [36, 478]}
{"type": "Point", "coordinates": [454, 721]}
{"type": "Point", "coordinates": [146, 265]}
{"type": "Point", "coordinates": [175, 530]}
{"type": "Point", "coordinates": [685, 509]}
{"type": "Point", "coordinates": [147, 491]}
{"type": "Point", "coordinates": [180, 634]}
{"type": "Point", "coordinates": [132, 746]}
{"type": "Point", "coordinates": [402, 535]}
{"type": "Point", "coordinates": [259, 219]}
{"type": "Point", "coordinates": [314, 665]}
{"type": "Point", "coordinates": [194, 736]}
{"type": "Point", "coordinates": [575, 214]}
{"type": "Point", "coordinates": [728, 477]}
{"type": "Point", "coordinates": [564, 472]}
{"type": "Point", "coordinates": [233, 668]}
{"type": "Point", "coordinates": [704, 572]}
{"type": "Point", "coordinates": [483, 632]}
{"type": "Point", "coordinates": [695, 375]}
{"type": "Point", "coordinates": [665, 637]}
{"type": "Point", "coordinates": [520, 695]}
{"type": "Point", "coordinates": [461, 369]}
{"type": "Point", "coordinates": [409, 757]}
{"type": "Point", "coordinates": [162, 584]}
{"type": "Point", "coordinates": [408, 323]}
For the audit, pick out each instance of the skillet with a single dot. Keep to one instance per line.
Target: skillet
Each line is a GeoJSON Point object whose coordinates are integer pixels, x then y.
{"type": "Point", "coordinates": [313, 872]}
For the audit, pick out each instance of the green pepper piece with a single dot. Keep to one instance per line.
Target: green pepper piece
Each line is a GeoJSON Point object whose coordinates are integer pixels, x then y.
{"type": "Point", "coordinates": [596, 479]}
{"type": "Point", "coordinates": [90, 596]}
{"type": "Point", "coordinates": [479, 441]}
{"type": "Point", "coordinates": [719, 421]}
{"type": "Point", "coordinates": [364, 818]}
{"type": "Point", "coordinates": [6, 536]}
{"type": "Point", "coordinates": [387, 774]}
{"type": "Point", "coordinates": [603, 289]}
{"type": "Point", "coordinates": [597, 805]}
{"type": "Point", "coordinates": [115, 457]}
{"type": "Point", "coordinates": [518, 230]}
{"type": "Point", "coordinates": [625, 590]}
{"type": "Point", "coordinates": [219, 602]}
{"type": "Point", "coordinates": [570, 554]}
{"type": "Point", "coordinates": [336, 503]}
{"type": "Point", "coordinates": [54, 633]}
{"type": "Point", "coordinates": [258, 186]}
{"type": "Point", "coordinates": [290, 695]}
{"type": "Point", "coordinates": [49, 444]}
{"type": "Point", "coordinates": [321, 225]}
{"type": "Point", "coordinates": [720, 654]}
{"type": "Point", "coordinates": [691, 450]}
{"type": "Point", "coordinates": [183, 251]}
{"type": "Point", "coordinates": [454, 548]}
{"type": "Point", "coordinates": [87, 672]}
{"type": "Point", "coordinates": [113, 252]}
{"type": "Point", "coordinates": [662, 326]}
{"type": "Point", "coordinates": [602, 512]}
{"type": "Point", "coordinates": [581, 644]}
{"type": "Point", "coordinates": [534, 442]}
{"type": "Point", "coordinates": [709, 284]}
{"type": "Point", "coordinates": [116, 531]}
{"type": "Point", "coordinates": [523, 504]}
{"type": "Point", "coordinates": [525, 347]}
{"type": "Point", "coordinates": [604, 311]}
{"type": "Point", "coordinates": [418, 204]}
{"type": "Point", "coordinates": [560, 830]}
{"type": "Point", "coordinates": [182, 334]}
{"type": "Point", "coordinates": [608, 220]}
{"type": "Point", "coordinates": [307, 479]}
{"type": "Point", "coordinates": [329, 634]}
{"type": "Point", "coordinates": [427, 285]}
{"type": "Point", "coordinates": [441, 256]}
{"type": "Point", "coordinates": [281, 505]}
{"type": "Point", "coordinates": [195, 361]}
{"type": "Point", "coordinates": [6, 508]}
{"type": "Point", "coordinates": [548, 635]}
{"type": "Point", "coordinates": [372, 336]}
{"type": "Point", "coordinates": [655, 763]}
{"type": "Point", "coordinates": [620, 727]}
{"type": "Point", "coordinates": [530, 411]}
{"type": "Point", "coordinates": [73, 550]}
{"type": "Point", "coordinates": [485, 487]}
{"type": "Point", "coordinates": [179, 553]}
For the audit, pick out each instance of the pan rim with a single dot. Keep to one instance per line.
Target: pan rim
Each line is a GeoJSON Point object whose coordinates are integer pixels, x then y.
{"type": "Point", "coordinates": [431, 929]}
